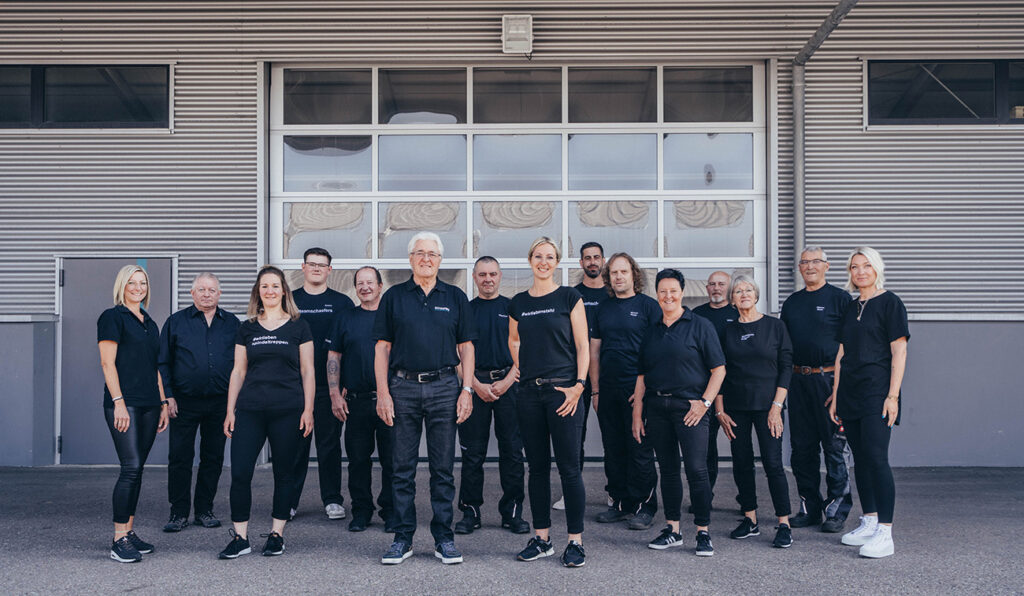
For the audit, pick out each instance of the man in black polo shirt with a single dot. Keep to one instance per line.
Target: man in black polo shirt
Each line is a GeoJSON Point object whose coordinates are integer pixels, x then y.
{"type": "Point", "coordinates": [318, 305]}
{"type": "Point", "coordinates": [494, 395]}
{"type": "Point", "coordinates": [197, 353]}
{"type": "Point", "coordinates": [813, 316]}
{"type": "Point", "coordinates": [424, 328]}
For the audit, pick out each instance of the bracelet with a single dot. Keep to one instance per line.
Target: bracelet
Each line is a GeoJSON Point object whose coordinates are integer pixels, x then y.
{"type": "Point", "coordinates": [722, 413]}
{"type": "Point", "coordinates": [595, 393]}
{"type": "Point", "coordinates": [777, 403]}
{"type": "Point", "coordinates": [118, 398]}
{"type": "Point", "coordinates": [896, 397]}
{"type": "Point", "coordinates": [163, 402]}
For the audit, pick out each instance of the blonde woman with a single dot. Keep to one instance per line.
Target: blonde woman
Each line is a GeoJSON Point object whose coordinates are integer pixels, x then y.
{"type": "Point", "coordinates": [270, 398]}
{"type": "Point", "coordinates": [133, 399]}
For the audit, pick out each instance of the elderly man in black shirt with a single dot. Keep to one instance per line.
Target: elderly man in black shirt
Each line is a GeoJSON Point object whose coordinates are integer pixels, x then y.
{"type": "Point", "coordinates": [197, 352]}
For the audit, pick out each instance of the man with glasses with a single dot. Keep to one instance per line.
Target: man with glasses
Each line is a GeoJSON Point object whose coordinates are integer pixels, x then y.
{"type": "Point", "coordinates": [813, 316]}
{"type": "Point", "coordinates": [318, 305]}
{"type": "Point", "coordinates": [424, 330]}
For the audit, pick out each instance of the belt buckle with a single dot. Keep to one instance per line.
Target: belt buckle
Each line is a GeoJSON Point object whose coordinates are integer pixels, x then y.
{"type": "Point", "coordinates": [660, 394]}
{"type": "Point", "coordinates": [423, 377]}
{"type": "Point", "coordinates": [495, 375]}
{"type": "Point", "coordinates": [806, 370]}
{"type": "Point", "coordinates": [538, 381]}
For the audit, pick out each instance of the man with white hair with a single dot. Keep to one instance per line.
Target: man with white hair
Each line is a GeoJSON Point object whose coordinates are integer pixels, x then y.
{"type": "Point", "coordinates": [424, 330]}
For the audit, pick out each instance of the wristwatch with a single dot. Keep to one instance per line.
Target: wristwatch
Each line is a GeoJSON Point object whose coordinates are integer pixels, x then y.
{"type": "Point", "coordinates": [706, 402]}
{"type": "Point", "coordinates": [581, 382]}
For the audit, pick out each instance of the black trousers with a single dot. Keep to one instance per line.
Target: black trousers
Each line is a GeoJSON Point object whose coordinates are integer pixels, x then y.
{"type": "Point", "coordinates": [365, 431]}
{"type": "Point", "coordinates": [712, 462]}
{"type": "Point", "coordinates": [205, 416]}
{"type": "Point", "coordinates": [771, 459]}
{"type": "Point", "coordinates": [668, 434]}
{"type": "Point", "coordinates": [474, 435]}
{"type": "Point", "coordinates": [327, 432]}
{"type": "Point", "coordinates": [132, 448]}
{"type": "Point", "coordinates": [811, 433]}
{"type": "Point", "coordinates": [869, 440]}
{"type": "Point", "coordinates": [628, 465]}
{"type": "Point", "coordinates": [585, 400]}
{"type": "Point", "coordinates": [253, 428]}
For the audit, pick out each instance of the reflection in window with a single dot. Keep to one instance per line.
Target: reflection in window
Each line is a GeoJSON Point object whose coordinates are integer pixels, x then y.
{"type": "Point", "coordinates": [399, 222]}
{"type": "Point", "coordinates": [327, 96]}
{"type": "Point", "coordinates": [1016, 90]}
{"type": "Point", "coordinates": [709, 229]}
{"type": "Point", "coordinates": [117, 96]}
{"type": "Point", "coordinates": [422, 96]}
{"type": "Point", "coordinates": [629, 226]}
{"type": "Point", "coordinates": [393, 277]}
{"type": "Point", "coordinates": [613, 162]}
{"type": "Point", "coordinates": [422, 162]}
{"type": "Point", "coordinates": [931, 91]}
{"type": "Point", "coordinates": [709, 161]}
{"type": "Point", "coordinates": [506, 229]}
{"type": "Point", "coordinates": [344, 229]}
{"type": "Point", "coordinates": [709, 94]}
{"type": "Point", "coordinates": [15, 96]}
{"type": "Point", "coordinates": [517, 95]}
{"type": "Point", "coordinates": [517, 162]}
{"type": "Point", "coordinates": [613, 94]}
{"type": "Point", "coordinates": [323, 164]}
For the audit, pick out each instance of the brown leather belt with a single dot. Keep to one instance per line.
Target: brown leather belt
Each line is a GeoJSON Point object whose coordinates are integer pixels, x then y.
{"type": "Point", "coordinates": [813, 370]}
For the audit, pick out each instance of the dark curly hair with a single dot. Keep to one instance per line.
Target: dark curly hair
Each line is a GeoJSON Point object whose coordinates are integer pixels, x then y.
{"type": "Point", "coordinates": [638, 274]}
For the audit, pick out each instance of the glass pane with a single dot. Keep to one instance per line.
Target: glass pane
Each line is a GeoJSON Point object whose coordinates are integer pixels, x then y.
{"type": "Point", "coordinates": [513, 281]}
{"type": "Point", "coordinates": [106, 95]}
{"type": "Point", "coordinates": [621, 226]}
{"type": "Point", "coordinates": [422, 96]}
{"type": "Point", "coordinates": [422, 162]}
{"type": "Point", "coordinates": [391, 277]}
{"type": "Point", "coordinates": [1017, 90]}
{"type": "Point", "coordinates": [15, 95]}
{"type": "Point", "coordinates": [517, 162]}
{"type": "Point", "coordinates": [399, 222]}
{"type": "Point", "coordinates": [506, 229]}
{"type": "Point", "coordinates": [709, 229]}
{"type": "Point", "coordinates": [339, 279]}
{"type": "Point", "coordinates": [613, 162]}
{"type": "Point", "coordinates": [321, 164]}
{"type": "Point", "coordinates": [709, 161]}
{"type": "Point", "coordinates": [709, 94]}
{"type": "Point", "coordinates": [327, 96]}
{"type": "Point", "coordinates": [517, 95]}
{"type": "Point", "coordinates": [613, 94]}
{"type": "Point", "coordinates": [344, 229]}
{"type": "Point", "coordinates": [931, 90]}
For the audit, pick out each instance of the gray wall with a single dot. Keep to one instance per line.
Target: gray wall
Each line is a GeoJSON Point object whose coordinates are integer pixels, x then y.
{"type": "Point", "coordinates": [26, 393]}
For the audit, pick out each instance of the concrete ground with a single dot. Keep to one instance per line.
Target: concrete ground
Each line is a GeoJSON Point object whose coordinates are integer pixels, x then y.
{"type": "Point", "coordinates": [958, 530]}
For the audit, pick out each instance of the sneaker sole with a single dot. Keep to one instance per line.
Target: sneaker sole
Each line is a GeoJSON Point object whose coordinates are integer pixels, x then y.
{"type": "Point", "coordinates": [386, 561]}
{"type": "Point", "coordinates": [336, 516]}
{"type": "Point", "coordinates": [854, 541]}
{"type": "Point", "coordinates": [210, 525]}
{"type": "Point", "coordinates": [448, 560]}
{"type": "Point", "coordinates": [467, 530]}
{"type": "Point", "coordinates": [705, 553]}
{"type": "Point", "coordinates": [573, 565]}
{"type": "Point", "coordinates": [665, 546]}
{"type": "Point", "coordinates": [115, 557]}
{"type": "Point", "coordinates": [268, 553]}
{"type": "Point", "coordinates": [148, 551]}
{"type": "Point", "coordinates": [782, 545]}
{"type": "Point", "coordinates": [545, 553]}
{"type": "Point", "coordinates": [744, 536]}
{"type": "Point", "coordinates": [509, 527]}
{"type": "Point", "coordinates": [880, 555]}
{"type": "Point", "coordinates": [244, 551]}
{"type": "Point", "coordinates": [172, 530]}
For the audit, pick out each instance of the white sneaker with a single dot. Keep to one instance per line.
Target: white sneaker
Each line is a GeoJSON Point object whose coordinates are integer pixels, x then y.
{"type": "Point", "coordinates": [559, 505]}
{"type": "Point", "coordinates": [335, 511]}
{"type": "Point", "coordinates": [611, 501]}
{"type": "Point", "coordinates": [863, 533]}
{"type": "Point", "coordinates": [880, 545]}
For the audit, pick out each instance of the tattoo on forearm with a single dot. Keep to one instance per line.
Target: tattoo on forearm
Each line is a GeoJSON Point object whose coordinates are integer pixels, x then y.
{"type": "Point", "coordinates": [333, 375]}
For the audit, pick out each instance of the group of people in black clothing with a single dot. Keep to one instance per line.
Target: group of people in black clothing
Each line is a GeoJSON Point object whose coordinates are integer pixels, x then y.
{"type": "Point", "coordinates": [423, 356]}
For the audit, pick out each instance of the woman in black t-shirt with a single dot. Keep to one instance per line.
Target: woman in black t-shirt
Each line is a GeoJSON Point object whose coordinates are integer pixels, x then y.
{"type": "Point", "coordinates": [133, 399]}
{"type": "Point", "coordinates": [270, 398]}
{"type": "Point", "coordinates": [866, 397]}
{"type": "Point", "coordinates": [549, 342]}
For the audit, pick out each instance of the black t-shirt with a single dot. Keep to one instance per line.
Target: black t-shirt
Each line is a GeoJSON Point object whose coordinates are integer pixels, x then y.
{"type": "Point", "coordinates": [759, 359]}
{"type": "Point", "coordinates": [679, 359]}
{"type": "Point", "coordinates": [491, 344]}
{"type": "Point", "coordinates": [719, 317]}
{"type": "Point", "coordinates": [547, 348]}
{"type": "Point", "coordinates": [273, 377]}
{"type": "Point", "coordinates": [318, 310]}
{"type": "Point", "coordinates": [138, 346]}
{"type": "Point", "coordinates": [592, 297]}
{"type": "Point", "coordinates": [813, 319]}
{"type": "Point", "coordinates": [353, 338]}
{"type": "Point", "coordinates": [867, 354]}
{"type": "Point", "coordinates": [620, 324]}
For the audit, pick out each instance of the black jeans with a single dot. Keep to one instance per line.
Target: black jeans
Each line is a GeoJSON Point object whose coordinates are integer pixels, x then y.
{"type": "Point", "coordinates": [474, 435]}
{"type": "Point", "coordinates": [628, 465]}
{"type": "Point", "coordinates": [811, 433]}
{"type": "Point", "coordinates": [364, 431]}
{"type": "Point", "coordinates": [713, 427]}
{"type": "Point", "coordinates": [327, 431]}
{"type": "Point", "coordinates": [869, 440]}
{"type": "Point", "coordinates": [666, 431]}
{"type": "Point", "coordinates": [253, 428]}
{"type": "Point", "coordinates": [542, 429]}
{"type": "Point", "coordinates": [132, 448]}
{"type": "Point", "coordinates": [207, 417]}
{"type": "Point", "coordinates": [431, 406]}
{"type": "Point", "coordinates": [585, 401]}
{"type": "Point", "coordinates": [771, 459]}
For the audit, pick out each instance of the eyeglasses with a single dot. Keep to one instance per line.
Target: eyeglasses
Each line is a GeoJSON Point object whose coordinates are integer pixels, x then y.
{"type": "Point", "coordinates": [312, 265]}
{"type": "Point", "coordinates": [805, 262]}
{"type": "Point", "coordinates": [419, 254]}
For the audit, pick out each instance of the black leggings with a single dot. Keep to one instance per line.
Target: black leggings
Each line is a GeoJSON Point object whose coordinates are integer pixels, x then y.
{"type": "Point", "coordinates": [667, 432]}
{"type": "Point", "coordinates": [869, 441]}
{"type": "Point", "coordinates": [771, 459]}
{"type": "Point", "coordinates": [253, 428]}
{"type": "Point", "coordinates": [132, 448]}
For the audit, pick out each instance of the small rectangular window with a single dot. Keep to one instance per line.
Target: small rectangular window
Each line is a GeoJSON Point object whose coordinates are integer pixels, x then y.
{"type": "Point", "coordinates": [422, 96]}
{"type": "Point", "coordinates": [1016, 85]}
{"type": "Point", "coordinates": [327, 96]}
{"type": "Point", "coordinates": [613, 94]}
{"type": "Point", "coordinates": [517, 95]}
{"type": "Point", "coordinates": [15, 96]}
{"type": "Point", "coordinates": [709, 94]}
{"type": "Point", "coordinates": [327, 164]}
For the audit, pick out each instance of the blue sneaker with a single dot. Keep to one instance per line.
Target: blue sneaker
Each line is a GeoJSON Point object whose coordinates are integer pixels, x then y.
{"type": "Point", "coordinates": [398, 552]}
{"type": "Point", "coordinates": [448, 554]}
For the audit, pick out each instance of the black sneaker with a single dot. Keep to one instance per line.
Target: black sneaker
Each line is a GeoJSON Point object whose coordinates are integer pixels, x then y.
{"type": "Point", "coordinates": [704, 546]}
{"type": "Point", "coordinates": [516, 525]}
{"type": "Point", "coordinates": [641, 521]}
{"type": "Point", "coordinates": [359, 523]}
{"type": "Point", "coordinates": [397, 552]}
{"type": "Point", "coordinates": [804, 520]}
{"type": "Point", "coordinates": [573, 555]}
{"type": "Point", "coordinates": [833, 525]}
{"type": "Point", "coordinates": [469, 522]}
{"type": "Point", "coordinates": [746, 529]}
{"type": "Point", "coordinates": [140, 544]}
{"type": "Point", "coordinates": [535, 549]}
{"type": "Point", "coordinates": [238, 546]}
{"type": "Point", "coordinates": [274, 545]}
{"type": "Point", "coordinates": [783, 537]}
{"type": "Point", "coordinates": [611, 515]}
{"type": "Point", "coordinates": [123, 551]}
{"type": "Point", "coordinates": [207, 519]}
{"type": "Point", "coordinates": [176, 523]}
{"type": "Point", "coordinates": [447, 552]}
{"type": "Point", "coordinates": [667, 539]}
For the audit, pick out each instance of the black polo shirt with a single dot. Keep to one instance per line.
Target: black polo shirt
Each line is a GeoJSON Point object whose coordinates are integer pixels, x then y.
{"type": "Point", "coordinates": [547, 347]}
{"type": "Point", "coordinates": [679, 359]}
{"type": "Point", "coordinates": [195, 358]}
{"type": "Point", "coordinates": [273, 377]}
{"type": "Point", "coordinates": [719, 317]}
{"type": "Point", "coordinates": [620, 324]}
{"type": "Point", "coordinates": [592, 297]}
{"type": "Point", "coordinates": [424, 330]}
{"type": "Point", "coordinates": [318, 311]}
{"type": "Point", "coordinates": [491, 344]}
{"type": "Point", "coordinates": [138, 345]}
{"type": "Point", "coordinates": [759, 359]}
{"type": "Point", "coordinates": [866, 367]}
{"type": "Point", "coordinates": [813, 319]}
{"type": "Point", "coordinates": [353, 339]}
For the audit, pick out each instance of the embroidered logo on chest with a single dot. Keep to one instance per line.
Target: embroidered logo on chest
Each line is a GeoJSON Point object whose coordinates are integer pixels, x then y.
{"type": "Point", "coordinates": [634, 313]}
{"type": "Point", "coordinates": [442, 309]}
{"type": "Point", "coordinates": [819, 308]}
{"type": "Point", "coordinates": [746, 336]}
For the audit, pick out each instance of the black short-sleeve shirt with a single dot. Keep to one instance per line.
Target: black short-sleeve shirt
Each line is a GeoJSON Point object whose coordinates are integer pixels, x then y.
{"type": "Point", "coordinates": [867, 354]}
{"type": "Point", "coordinates": [319, 310]}
{"type": "Point", "coordinates": [273, 377]}
{"type": "Point", "coordinates": [353, 338]}
{"type": "Point", "coordinates": [719, 317]}
{"type": "Point", "coordinates": [620, 324]}
{"type": "Point", "coordinates": [592, 298]}
{"type": "Point", "coordinates": [759, 359]}
{"type": "Point", "coordinates": [424, 330]}
{"type": "Point", "coordinates": [138, 347]}
{"type": "Point", "coordinates": [813, 319]}
{"type": "Point", "coordinates": [679, 359]}
{"type": "Point", "coordinates": [547, 348]}
{"type": "Point", "coordinates": [491, 344]}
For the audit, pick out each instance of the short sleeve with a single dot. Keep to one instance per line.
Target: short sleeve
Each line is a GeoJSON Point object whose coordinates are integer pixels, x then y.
{"type": "Point", "coordinates": [841, 328]}
{"type": "Point", "coordinates": [109, 326]}
{"type": "Point", "coordinates": [466, 330]}
{"type": "Point", "coordinates": [336, 338]}
{"type": "Point", "coordinates": [595, 327]}
{"type": "Point", "coordinates": [710, 347]}
{"type": "Point", "coordinates": [383, 328]}
{"type": "Point", "coordinates": [303, 333]}
{"type": "Point", "coordinates": [240, 339]}
{"type": "Point", "coordinates": [572, 296]}
{"type": "Point", "coordinates": [512, 307]}
{"type": "Point", "coordinates": [896, 325]}
{"type": "Point", "coordinates": [653, 313]}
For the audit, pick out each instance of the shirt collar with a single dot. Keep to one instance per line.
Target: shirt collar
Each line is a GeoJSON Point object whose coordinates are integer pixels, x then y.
{"type": "Point", "coordinates": [686, 316]}
{"type": "Point", "coordinates": [411, 285]}
{"type": "Point", "coordinates": [194, 312]}
{"type": "Point", "coordinates": [124, 310]}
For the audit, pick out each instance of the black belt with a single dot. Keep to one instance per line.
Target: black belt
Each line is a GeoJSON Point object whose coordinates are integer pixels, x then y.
{"type": "Point", "coordinates": [361, 395]}
{"type": "Point", "coordinates": [813, 370]}
{"type": "Point", "coordinates": [663, 394]}
{"type": "Point", "coordinates": [425, 376]}
{"type": "Point", "coordinates": [541, 381]}
{"type": "Point", "coordinates": [494, 375]}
